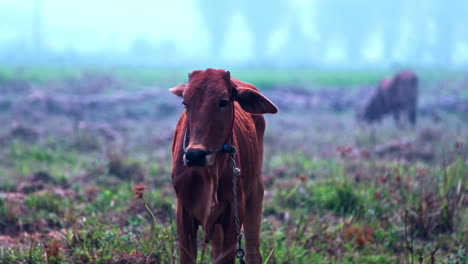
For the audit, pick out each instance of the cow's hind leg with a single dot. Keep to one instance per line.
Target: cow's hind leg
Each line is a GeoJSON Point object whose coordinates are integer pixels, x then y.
{"type": "Point", "coordinates": [187, 236]}
{"type": "Point", "coordinates": [252, 222]}
{"type": "Point", "coordinates": [412, 115]}
{"type": "Point", "coordinates": [396, 117]}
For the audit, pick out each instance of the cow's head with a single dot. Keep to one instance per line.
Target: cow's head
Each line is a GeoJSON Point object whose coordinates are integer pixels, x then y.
{"type": "Point", "coordinates": [377, 104]}
{"type": "Point", "coordinates": [373, 109]}
{"type": "Point", "coordinates": [209, 99]}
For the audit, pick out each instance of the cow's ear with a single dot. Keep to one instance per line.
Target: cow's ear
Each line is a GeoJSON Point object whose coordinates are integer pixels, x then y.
{"type": "Point", "coordinates": [254, 102]}
{"type": "Point", "coordinates": [178, 90]}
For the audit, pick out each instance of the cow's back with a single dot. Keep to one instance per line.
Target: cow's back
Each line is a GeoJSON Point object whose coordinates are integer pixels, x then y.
{"type": "Point", "coordinates": [248, 135]}
{"type": "Point", "coordinates": [406, 89]}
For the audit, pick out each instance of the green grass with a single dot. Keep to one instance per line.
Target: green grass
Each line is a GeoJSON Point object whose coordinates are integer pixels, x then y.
{"type": "Point", "coordinates": [67, 197]}
{"type": "Point", "coordinates": [135, 77]}
{"type": "Point", "coordinates": [304, 219]}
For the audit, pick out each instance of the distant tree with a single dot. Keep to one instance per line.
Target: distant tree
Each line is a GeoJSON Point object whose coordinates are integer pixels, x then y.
{"type": "Point", "coordinates": [142, 50]}
{"type": "Point", "coordinates": [385, 15]}
{"type": "Point", "coordinates": [355, 27]}
{"type": "Point", "coordinates": [398, 16]}
{"type": "Point", "coordinates": [216, 15]}
{"type": "Point", "coordinates": [37, 33]}
{"type": "Point", "coordinates": [298, 48]}
{"type": "Point", "coordinates": [417, 17]}
{"type": "Point", "coordinates": [166, 52]}
{"type": "Point", "coordinates": [353, 21]}
{"type": "Point", "coordinates": [263, 17]}
{"type": "Point", "coordinates": [347, 21]}
{"type": "Point", "coordinates": [450, 20]}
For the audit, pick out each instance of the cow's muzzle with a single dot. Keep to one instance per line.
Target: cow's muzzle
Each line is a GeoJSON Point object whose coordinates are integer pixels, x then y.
{"type": "Point", "coordinates": [197, 158]}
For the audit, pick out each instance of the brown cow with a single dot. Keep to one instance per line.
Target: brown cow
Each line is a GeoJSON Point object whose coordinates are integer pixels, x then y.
{"type": "Point", "coordinates": [393, 95]}
{"type": "Point", "coordinates": [220, 112]}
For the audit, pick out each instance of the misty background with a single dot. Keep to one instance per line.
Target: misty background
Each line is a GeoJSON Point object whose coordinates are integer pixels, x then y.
{"type": "Point", "coordinates": [335, 33]}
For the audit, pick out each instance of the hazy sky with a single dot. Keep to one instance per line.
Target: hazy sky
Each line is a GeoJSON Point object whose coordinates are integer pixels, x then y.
{"type": "Point", "coordinates": [114, 25]}
{"type": "Point", "coordinates": [91, 24]}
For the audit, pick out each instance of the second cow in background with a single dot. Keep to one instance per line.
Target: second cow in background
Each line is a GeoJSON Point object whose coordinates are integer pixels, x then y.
{"type": "Point", "coordinates": [395, 95]}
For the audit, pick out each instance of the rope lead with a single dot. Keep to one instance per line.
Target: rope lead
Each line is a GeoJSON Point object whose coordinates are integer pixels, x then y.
{"type": "Point", "coordinates": [240, 253]}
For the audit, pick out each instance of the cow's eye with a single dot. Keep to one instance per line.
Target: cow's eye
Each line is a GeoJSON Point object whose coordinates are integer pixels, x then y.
{"type": "Point", "coordinates": [185, 105]}
{"type": "Point", "coordinates": [223, 103]}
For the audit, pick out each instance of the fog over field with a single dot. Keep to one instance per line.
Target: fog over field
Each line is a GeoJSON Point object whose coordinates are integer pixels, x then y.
{"type": "Point", "coordinates": [332, 33]}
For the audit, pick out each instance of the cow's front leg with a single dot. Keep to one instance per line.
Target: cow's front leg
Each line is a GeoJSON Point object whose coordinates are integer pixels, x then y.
{"type": "Point", "coordinates": [223, 243]}
{"type": "Point", "coordinates": [223, 246]}
{"type": "Point", "coordinates": [187, 235]}
{"type": "Point", "coordinates": [252, 222]}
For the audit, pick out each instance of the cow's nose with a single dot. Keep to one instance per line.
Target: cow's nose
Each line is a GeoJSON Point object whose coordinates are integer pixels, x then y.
{"type": "Point", "coordinates": [195, 158]}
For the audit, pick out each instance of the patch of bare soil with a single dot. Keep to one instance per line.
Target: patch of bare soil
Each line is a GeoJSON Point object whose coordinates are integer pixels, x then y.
{"type": "Point", "coordinates": [19, 217]}
{"type": "Point", "coordinates": [39, 181]}
{"type": "Point", "coordinates": [410, 149]}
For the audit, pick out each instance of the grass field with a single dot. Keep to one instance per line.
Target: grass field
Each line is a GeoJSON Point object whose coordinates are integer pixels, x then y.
{"type": "Point", "coordinates": [79, 148]}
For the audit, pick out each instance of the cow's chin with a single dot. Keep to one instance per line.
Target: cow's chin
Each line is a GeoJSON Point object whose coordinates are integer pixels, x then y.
{"type": "Point", "coordinates": [210, 159]}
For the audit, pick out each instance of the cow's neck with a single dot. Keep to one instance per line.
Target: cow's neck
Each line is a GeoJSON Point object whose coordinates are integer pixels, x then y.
{"type": "Point", "coordinates": [213, 183]}
{"type": "Point", "coordinates": [215, 207]}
